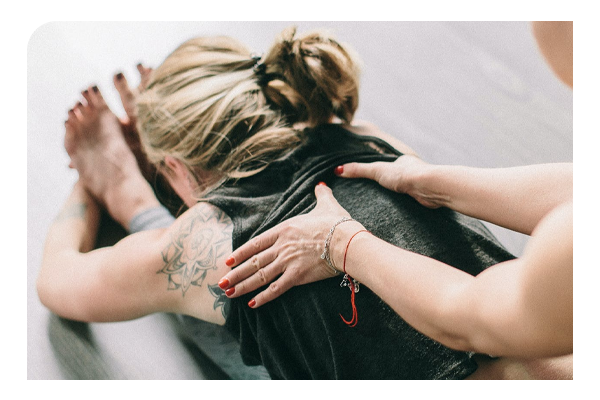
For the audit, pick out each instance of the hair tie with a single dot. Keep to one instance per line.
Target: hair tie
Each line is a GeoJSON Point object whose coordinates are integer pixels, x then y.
{"type": "Point", "coordinates": [259, 67]}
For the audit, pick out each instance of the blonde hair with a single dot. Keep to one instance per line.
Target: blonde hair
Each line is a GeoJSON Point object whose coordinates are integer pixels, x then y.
{"type": "Point", "coordinates": [214, 108]}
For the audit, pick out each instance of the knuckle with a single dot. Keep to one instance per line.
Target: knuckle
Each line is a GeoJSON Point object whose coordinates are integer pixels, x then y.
{"type": "Point", "coordinates": [240, 288]}
{"type": "Point", "coordinates": [255, 242]}
{"type": "Point", "coordinates": [262, 275]}
{"type": "Point", "coordinates": [255, 263]}
{"type": "Point", "coordinates": [274, 288]}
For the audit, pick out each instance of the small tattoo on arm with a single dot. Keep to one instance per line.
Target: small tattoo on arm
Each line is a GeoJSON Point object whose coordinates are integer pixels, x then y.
{"type": "Point", "coordinates": [194, 250]}
{"type": "Point", "coordinates": [221, 300]}
{"type": "Point", "coordinates": [76, 210]}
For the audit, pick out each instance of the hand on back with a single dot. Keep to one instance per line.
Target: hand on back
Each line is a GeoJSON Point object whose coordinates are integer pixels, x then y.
{"type": "Point", "coordinates": [405, 175]}
{"type": "Point", "coordinates": [292, 249]}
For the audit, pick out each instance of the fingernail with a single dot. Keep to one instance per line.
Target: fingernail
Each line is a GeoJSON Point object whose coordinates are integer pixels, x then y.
{"type": "Point", "coordinates": [321, 184]}
{"type": "Point", "coordinates": [79, 104]}
{"type": "Point", "coordinates": [251, 303]}
{"type": "Point", "coordinates": [223, 283]}
{"type": "Point", "coordinates": [119, 76]}
{"type": "Point", "coordinates": [95, 89]}
{"type": "Point", "coordinates": [230, 261]}
{"type": "Point", "coordinates": [339, 170]}
{"type": "Point", "coordinates": [85, 91]}
{"type": "Point", "coordinates": [230, 291]}
{"type": "Point", "coordinates": [139, 64]}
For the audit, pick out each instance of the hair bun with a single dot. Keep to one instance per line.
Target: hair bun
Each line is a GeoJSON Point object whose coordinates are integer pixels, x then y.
{"type": "Point", "coordinates": [312, 78]}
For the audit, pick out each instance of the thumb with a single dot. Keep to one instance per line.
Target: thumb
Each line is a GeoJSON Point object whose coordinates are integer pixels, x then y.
{"type": "Point", "coordinates": [359, 170]}
{"type": "Point", "coordinates": [325, 199]}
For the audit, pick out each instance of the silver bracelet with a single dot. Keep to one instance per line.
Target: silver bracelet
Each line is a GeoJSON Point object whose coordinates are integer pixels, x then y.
{"type": "Point", "coordinates": [326, 256]}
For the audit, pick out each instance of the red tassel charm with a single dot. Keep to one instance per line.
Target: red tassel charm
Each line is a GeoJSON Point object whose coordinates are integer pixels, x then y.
{"type": "Point", "coordinates": [354, 287]}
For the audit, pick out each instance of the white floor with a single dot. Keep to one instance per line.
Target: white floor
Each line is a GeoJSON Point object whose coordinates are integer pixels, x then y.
{"type": "Point", "coordinates": [475, 94]}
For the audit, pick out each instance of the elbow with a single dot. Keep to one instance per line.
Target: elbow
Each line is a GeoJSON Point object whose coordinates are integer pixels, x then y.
{"type": "Point", "coordinates": [44, 291]}
{"type": "Point", "coordinates": [455, 340]}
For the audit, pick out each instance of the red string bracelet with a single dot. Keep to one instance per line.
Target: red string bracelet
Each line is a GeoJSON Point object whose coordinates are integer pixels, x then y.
{"type": "Point", "coordinates": [349, 281]}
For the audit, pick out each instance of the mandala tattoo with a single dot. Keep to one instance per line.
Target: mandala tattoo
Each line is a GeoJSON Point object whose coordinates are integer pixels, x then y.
{"type": "Point", "coordinates": [202, 238]}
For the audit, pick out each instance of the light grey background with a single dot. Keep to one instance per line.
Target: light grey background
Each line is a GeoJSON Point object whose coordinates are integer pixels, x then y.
{"type": "Point", "coordinates": [476, 94]}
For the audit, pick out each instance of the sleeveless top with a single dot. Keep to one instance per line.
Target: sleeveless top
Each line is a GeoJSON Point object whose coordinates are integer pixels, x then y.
{"type": "Point", "coordinates": [301, 335]}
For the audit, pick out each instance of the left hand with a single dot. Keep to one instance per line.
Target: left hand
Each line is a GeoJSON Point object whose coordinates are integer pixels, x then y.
{"type": "Point", "coordinates": [292, 249]}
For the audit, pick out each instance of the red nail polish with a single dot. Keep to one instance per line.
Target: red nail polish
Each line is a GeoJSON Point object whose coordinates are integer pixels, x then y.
{"type": "Point", "coordinates": [339, 170]}
{"type": "Point", "coordinates": [321, 184]}
{"type": "Point", "coordinates": [230, 291]}
{"type": "Point", "coordinates": [251, 303]}
{"type": "Point", "coordinates": [223, 283]}
{"type": "Point", "coordinates": [230, 261]}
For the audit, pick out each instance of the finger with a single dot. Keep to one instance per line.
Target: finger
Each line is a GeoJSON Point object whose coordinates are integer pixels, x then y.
{"type": "Point", "coordinates": [327, 202]}
{"type": "Point", "coordinates": [359, 170]}
{"type": "Point", "coordinates": [275, 289]}
{"type": "Point", "coordinates": [251, 267]}
{"type": "Point", "coordinates": [254, 246]}
{"type": "Point", "coordinates": [257, 279]}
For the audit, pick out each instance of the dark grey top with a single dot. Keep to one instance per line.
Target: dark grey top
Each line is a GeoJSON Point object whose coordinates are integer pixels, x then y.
{"type": "Point", "coordinates": [300, 335]}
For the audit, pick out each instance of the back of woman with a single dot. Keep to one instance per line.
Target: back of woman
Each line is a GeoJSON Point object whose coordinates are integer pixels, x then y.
{"type": "Point", "coordinates": [301, 334]}
{"type": "Point", "coordinates": [256, 134]}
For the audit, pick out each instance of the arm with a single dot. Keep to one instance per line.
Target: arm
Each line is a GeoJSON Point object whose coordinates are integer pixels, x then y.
{"type": "Point", "coordinates": [521, 308]}
{"type": "Point", "coordinates": [167, 270]}
{"type": "Point", "coordinates": [515, 198]}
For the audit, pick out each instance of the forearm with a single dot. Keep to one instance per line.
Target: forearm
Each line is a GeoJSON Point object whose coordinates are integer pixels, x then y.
{"type": "Point", "coordinates": [516, 198]}
{"type": "Point", "coordinates": [517, 308]}
{"type": "Point", "coordinates": [76, 225]}
{"type": "Point", "coordinates": [418, 288]}
{"type": "Point", "coordinates": [72, 233]}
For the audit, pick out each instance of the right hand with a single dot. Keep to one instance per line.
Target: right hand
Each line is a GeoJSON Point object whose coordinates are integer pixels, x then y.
{"type": "Point", "coordinates": [287, 255]}
{"type": "Point", "coordinates": [405, 175]}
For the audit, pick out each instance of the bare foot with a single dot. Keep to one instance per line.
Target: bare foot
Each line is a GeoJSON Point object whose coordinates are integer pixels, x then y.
{"type": "Point", "coordinates": [161, 186]}
{"type": "Point", "coordinates": [128, 95]}
{"type": "Point", "coordinates": [106, 165]}
{"type": "Point", "coordinates": [128, 98]}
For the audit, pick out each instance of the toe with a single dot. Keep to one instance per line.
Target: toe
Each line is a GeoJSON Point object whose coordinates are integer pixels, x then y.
{"type": "Point", "coordinates": [86, 96]}
{"type": "Point", "coordinates": [144, 76]}
{"type": "Point", "coordinates": [72, 119]}
{"type": "Point", "coordinates": [126, 94]}
{"type": "Point", "coordinates": [96, 98]}
{"type": "Point", "coordinates": [80, 108]}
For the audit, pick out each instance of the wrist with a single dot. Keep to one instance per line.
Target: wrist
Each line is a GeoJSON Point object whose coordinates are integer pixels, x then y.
{"type": "Point", "coordinates": [128, 199]}
{"type": "Point", "coordinates": [339, 242]}
{"type": "Point", "coordinates": [427, 186]}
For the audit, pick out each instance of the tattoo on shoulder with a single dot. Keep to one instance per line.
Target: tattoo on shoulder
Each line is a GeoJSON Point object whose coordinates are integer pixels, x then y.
{"type": "Point", "coordinates": [202, 238]}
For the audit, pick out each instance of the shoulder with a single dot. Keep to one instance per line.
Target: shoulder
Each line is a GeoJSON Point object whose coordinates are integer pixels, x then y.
{"type": "Point", "coordinates": [193, 261]}
{"type": "Point", "coordinates": [365, 128]}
